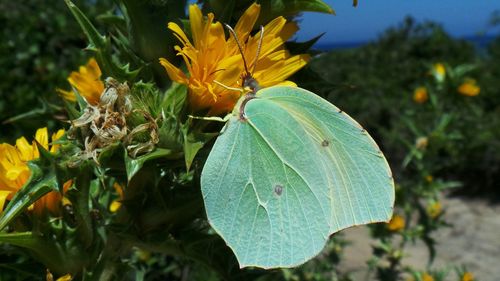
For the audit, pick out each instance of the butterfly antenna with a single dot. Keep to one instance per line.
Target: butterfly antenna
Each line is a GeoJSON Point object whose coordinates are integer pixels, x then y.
{"type": "Point", "coordinates": [258, 48]}
{"type": "Point", "coordinates": [231, 30]}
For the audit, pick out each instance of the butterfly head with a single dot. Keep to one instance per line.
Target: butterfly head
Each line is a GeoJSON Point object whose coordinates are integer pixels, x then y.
{"type": "Point", "coordinates": [249, 83]}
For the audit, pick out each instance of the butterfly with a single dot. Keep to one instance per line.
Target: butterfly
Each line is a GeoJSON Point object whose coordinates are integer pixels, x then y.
{"type": "Point", "coordinates": [288, 170]}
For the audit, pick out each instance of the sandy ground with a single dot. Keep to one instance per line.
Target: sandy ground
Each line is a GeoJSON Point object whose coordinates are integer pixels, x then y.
{"type": "Point", "coordinates": [473, 241]}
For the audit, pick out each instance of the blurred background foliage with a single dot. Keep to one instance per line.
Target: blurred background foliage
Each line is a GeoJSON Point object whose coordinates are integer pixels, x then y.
{"type": "Point", "coordinates": [41, 44]}
{"type": "Point", "coordinates": [449, 140]}
{"type": "Point", "coordinates": [375, 83]}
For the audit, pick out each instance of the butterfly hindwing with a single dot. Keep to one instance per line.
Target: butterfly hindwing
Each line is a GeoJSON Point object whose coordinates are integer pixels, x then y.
{"type": "Point", "coordinates": [362, 187]}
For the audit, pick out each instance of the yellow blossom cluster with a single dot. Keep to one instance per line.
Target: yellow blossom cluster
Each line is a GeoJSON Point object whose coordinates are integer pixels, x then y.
{"type": "Point", "coordinates": [396, 224]}
{"type": "Point", "coordinates": [434, 209]}
{"type": "Point", "coordinates": [213, 59]}
{"type": "Point", "coordinates": [420, 95]}
{"type": "Point", "coordinates": [14, 170]}
{"type": "Point", "coordinates": [87, 81]}
{"type": "Point", "coordinates": [469, 88]}
{"type": "Point", "coordinates": [439, 71]}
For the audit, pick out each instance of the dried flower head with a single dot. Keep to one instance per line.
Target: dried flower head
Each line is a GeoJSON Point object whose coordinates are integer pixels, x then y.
{"type": "Point", "coordinates": [105, 123]}
{"type": "Point", "coordinates": [421, 143]}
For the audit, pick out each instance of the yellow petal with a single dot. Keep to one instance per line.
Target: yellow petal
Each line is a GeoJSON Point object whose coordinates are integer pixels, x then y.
{"type": "Point", "coordinates": [196, 20]}
{"type": "Point", "coordinates": [173, 72]}
{"type": "Point", "coordinates": [67, 95]}
{"type": "Point", "coordinates": [66, 277]}
{"type": "Point", "coordinates": [247, 21]}
{"type": "Point", "coordinates": [114, 206]}
{"type": "Point", "coordinates": [87, 82]}
{"type": "Point", "coordinates": [281, 71]}
{"type": "Point", "coordinates": [119, 189]}
{"type": "Point", "coordinates": [13, 169]}
{"type": "Point", "coordinates": [178, 32]}
{"type": "Point", "coordinates": [42, 137]}
{"type": "Point", "coordinates": [57, 135]}
{"type": "Point", "coordinates": [3, 196]}
{"type": "Point", "coordinates": [24, 148]}
{"type": "Point", "coordinates": [286, 83]}
{"type": "Point", "coordinates": [289, 30]}
{"type": "Point", "coordinates": [229, 63]}
{"type": "Point", "coordinates": [274, 27]}
{"type": "Point", "coordinates": [93, 69]}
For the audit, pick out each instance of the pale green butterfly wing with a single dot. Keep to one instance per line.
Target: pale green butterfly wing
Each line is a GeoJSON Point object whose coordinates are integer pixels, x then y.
{"type": "Point", "coordinates": [277, 184]}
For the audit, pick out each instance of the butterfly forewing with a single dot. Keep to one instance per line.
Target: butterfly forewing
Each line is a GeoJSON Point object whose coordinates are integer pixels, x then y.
{"type": "Point", "coordinates": [277, 183]}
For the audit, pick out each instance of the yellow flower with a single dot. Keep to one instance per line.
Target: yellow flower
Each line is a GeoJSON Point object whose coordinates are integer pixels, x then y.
{"type": "Point", "coordinates": [14, 171]}
{"type": "Point", "coordinates": [87, 81]}
{"type": "Point", "coordinates": [396, 224]}
{"type": "Point", "coordinates": [213, 57]}
{"type": "Point", "coordinates": [439, 71]}
{"type": "Point", "coordinates": [420, 95]}
{"type": "Point", "coordinates": [429, 178]}
{"type": "Point", "coordinates": [116, 204]}
{"type": "Point", "coordinates": [469, 88]}
{"type": "Point", "coordinates": [427, 277]}
{"type": "Point", "coordinates": [467, 276]}
{"type": "Point", "coordinates": [143, 255]}
{"type": "Point", "coordinates": [50, 277]}
{"type": "Point", "coordinates": [434, 209]}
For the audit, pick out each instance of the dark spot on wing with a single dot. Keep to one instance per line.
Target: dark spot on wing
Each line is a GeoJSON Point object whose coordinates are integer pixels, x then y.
{"type": "Point", "coordinates": [325, 143]}
{"type": "Point", "coordinates": [278, 189]}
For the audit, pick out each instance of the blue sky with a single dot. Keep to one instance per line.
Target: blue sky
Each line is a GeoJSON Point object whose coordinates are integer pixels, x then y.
{"type": "Point", "coordinates": [372, 17]}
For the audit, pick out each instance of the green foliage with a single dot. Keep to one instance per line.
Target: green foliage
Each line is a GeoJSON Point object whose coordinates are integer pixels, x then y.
{"type": "Point", "coordinates": [101, 45]}
{"type": "Point", "coordinates": [230, 11]}
{"type": "Point", "coordinates": [39, 48]}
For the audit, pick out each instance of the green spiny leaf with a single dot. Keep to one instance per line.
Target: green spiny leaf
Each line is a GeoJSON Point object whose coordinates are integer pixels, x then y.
{"type": "Point", "coordinates": [193, 142]}
{"type": "Point", "coordinates": [302, 47]}
{"type": "Point", "coordinates": [133, 165]}
{"type": "Point", "coordinates": [101, 46]}
{"type": "Point", "coordinates": [80, 198]}
{"type": "Point", "coordinates": [174, 100]}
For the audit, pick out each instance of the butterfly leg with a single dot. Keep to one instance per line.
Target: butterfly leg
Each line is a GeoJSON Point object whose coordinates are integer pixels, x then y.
{"type": "Point", "coordinates": [228, 88]}
{"type": "Point", "coordinates": [211, 118]}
